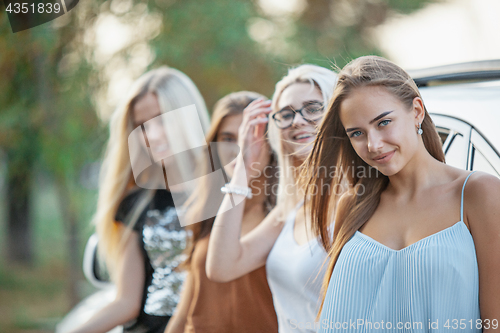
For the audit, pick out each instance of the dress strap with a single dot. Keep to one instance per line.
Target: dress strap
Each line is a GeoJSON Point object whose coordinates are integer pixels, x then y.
{"type": "Point", "coordinates": [462, 199]}
{"type": "Point", "coordinates": [299, 204]}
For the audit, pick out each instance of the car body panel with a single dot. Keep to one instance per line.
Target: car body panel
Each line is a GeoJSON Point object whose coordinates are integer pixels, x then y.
{"type": "Point", "coordinates": [475, 103]}
{"type": "Point", "coordinates": [470, 115]}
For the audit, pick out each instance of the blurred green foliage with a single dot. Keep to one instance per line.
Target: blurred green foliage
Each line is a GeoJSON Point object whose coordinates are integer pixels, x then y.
{"type": "Point", "coordinates": [52, 77]}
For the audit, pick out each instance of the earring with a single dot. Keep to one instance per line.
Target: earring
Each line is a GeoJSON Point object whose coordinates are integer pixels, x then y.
{"type": "Point", "coordinates": [420, 130]}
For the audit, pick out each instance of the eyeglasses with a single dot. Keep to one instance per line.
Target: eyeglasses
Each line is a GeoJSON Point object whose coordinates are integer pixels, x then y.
{"type": "Point", "coordinates": [312, 112]}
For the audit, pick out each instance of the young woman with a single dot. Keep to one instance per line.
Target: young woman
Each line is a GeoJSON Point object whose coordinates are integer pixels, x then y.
{"type": "Point", "coordinates": [245, 304]}
{"type": "Point", "coordinates": [399, 260]}
{"type": "Point", "coordinates": [283, 241]}
{"type": "Point", "coordinates": [139, 233]}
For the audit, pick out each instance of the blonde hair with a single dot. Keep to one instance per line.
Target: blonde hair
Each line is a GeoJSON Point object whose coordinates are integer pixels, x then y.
{"type": "Point", "coordinates": [319, 77]}
{"type": "Point", "coordinates": [173, 90]}
{"type": "Point", "coordinates": [332, 148]}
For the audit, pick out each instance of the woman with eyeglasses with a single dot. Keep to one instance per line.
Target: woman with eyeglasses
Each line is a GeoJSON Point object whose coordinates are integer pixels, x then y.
{"type": "Point", "coordinates": [283, 241]}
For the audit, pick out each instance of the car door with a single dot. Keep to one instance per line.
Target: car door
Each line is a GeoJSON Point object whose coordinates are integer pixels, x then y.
{"type": "Point", "coordinates": [465, 147]}
{"type": "Point", "coordinates": [455, 135]}
{"type": "Point", "coordinates": [483, 156]}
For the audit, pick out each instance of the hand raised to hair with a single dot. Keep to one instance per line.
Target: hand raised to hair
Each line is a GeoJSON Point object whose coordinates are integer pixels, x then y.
{"type": "Point", "coordinates": [252, 136]}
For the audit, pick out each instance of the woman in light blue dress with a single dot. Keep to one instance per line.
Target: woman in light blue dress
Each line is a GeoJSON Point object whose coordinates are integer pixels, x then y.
{"type": "Point", "coordinates": [399, 260]}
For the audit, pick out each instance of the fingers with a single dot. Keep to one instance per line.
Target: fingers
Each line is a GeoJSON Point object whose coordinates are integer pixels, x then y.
{"type": "Point", "coordinates": [260, 130]}
{"type": "Point", "coordinates": [251, 129]}
{"type": "Point", "coordinates": [257, 108]}
{"type": "Point", "coordinates": [257, 102]}
{"type": "Point", "coordinates": [261, 112]}
{"type": "Point", "coordinates": [255, 118]}
{"type": "Point", "coordinates": [256, 130]}
{"type": "Point", "coordinates": [256, 121]}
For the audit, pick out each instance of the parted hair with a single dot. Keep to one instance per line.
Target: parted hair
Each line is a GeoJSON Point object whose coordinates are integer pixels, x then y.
{"type": "Point", "coordinates": [173, 90]}
{"type": "Point", "coordinates": [332, 149]}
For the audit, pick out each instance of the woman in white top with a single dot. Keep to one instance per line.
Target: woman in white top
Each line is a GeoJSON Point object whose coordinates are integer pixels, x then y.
{"type": "Point", "coordinates": [283, 241]}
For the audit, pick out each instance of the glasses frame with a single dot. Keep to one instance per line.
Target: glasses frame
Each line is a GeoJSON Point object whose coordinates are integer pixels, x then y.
{"type": "Point", "coordinates": [299, 111]}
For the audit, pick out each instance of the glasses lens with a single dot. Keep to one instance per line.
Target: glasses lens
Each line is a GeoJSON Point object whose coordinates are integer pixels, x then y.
{"type": "Point", "coordinates": [313, 111]}
{"type": "Point", "coordinates": [284, 118]}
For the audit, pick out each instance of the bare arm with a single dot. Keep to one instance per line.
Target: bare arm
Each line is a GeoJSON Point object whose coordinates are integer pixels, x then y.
{"type": "Point", "coordinates": [130, 282]}
{"type": "Point", "coordinates": [230, 257]}
{"type": "Point", "coordinates": [483, 215]}
{"type": "Point", "coordinates": [177, 323]}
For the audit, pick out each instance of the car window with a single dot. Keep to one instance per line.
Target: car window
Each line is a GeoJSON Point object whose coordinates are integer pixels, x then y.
{"type": "Point", "coordinates": [455, 153]}
{"type": "Point", "coordinates": [480, 163]}
{"type": "Point", "coordinates": [443, 134]}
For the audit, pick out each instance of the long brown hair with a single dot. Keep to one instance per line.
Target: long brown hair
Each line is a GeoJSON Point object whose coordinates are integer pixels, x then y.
{"type": "Point", "coordinates": [333, 151]}
{"type": "Point", "coordinates": [196, 205]}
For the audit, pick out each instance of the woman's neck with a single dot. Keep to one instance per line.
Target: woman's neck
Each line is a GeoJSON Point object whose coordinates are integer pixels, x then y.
{"type": "Point", "coordinates": [420, 173]}
{"type": "Point", "coordinates": [299, 190]}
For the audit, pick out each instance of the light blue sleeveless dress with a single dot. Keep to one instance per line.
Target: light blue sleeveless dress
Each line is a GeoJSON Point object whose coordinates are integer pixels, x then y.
{"type": "Point", "coordinates": [429, 286]}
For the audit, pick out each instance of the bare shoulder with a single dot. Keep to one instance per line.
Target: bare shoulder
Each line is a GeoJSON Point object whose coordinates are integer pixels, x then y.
{"type": "Point", "coordinates": [482, 186]}
{"type": "Point", "coordinates": [482, 211]}
{"type": "Point", "coordinates": [481, 194]}
{"type": "Point", "coordinates": [274, 220]}
{"type": "Point", "coordinates": [264, 235]}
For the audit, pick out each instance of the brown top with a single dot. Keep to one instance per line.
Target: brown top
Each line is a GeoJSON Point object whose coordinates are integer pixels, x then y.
{"type": "Point", "coordinates": [244, 305]}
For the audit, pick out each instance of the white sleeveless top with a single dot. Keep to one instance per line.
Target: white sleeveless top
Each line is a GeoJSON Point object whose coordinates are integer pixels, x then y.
{"type": "Point", "coordinates": [295, 275]}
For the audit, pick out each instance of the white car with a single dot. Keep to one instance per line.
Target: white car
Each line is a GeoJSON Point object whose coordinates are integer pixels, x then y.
{"type": "Point", "coordinates": [89, 306]}
{"type": "Point", "coordinates": [464, 103]}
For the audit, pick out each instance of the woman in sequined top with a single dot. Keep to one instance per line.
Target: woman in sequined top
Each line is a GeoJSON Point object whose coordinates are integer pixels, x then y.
{"type": "Point", "coordinates": [140, 236]}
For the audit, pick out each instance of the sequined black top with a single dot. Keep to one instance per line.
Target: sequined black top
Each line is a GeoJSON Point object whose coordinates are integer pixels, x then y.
{"type": "Point", "coordinates": [162, 243]}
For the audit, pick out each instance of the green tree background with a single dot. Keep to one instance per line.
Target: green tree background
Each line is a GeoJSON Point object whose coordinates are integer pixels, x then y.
{"type": "Point", "coordinates": [58, 87]}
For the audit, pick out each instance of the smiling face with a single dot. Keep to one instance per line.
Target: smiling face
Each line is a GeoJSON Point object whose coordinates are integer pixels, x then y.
{"type": "Point", "coordinates": [297, 137]}
{"type": "Point", "coordinates": [147, 111]}
{"type": "Point", "coordinates": [381, 129]}
{"type": "Point", "coordinates": [228, 133]}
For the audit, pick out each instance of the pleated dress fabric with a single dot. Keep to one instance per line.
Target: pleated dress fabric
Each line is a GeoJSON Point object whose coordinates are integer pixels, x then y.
{"type": "Point", "coordinates": [429, 286]}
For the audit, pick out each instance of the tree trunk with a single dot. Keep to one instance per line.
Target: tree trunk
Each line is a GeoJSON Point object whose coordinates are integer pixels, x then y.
{"type": "Point", "coordinates": [70, 221]}
{"type": "Point", "coordinates": [19, 226]}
